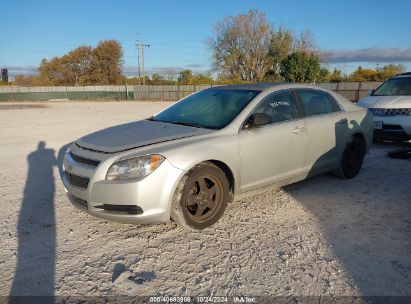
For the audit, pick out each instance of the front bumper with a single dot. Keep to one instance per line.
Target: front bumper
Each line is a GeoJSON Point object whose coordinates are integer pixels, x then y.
{"type": "Point", "coordinates": [151, 197]}
{"type": "Point", "coordinates": [392, 127]}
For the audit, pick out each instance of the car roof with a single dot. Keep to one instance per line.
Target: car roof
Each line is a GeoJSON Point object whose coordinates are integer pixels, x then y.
{"type": "Point", "coordinates": [261, 86]}
{"type": "Point", "coordinates": [403, 75]}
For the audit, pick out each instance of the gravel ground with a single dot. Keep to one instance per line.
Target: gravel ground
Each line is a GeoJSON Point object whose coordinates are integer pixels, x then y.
{"type": "Point", "coordinates": [323, 236]}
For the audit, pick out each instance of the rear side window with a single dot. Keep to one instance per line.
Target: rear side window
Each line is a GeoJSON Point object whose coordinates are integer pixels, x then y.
{"type": "Point", "coordinates": [317, 102]}
{"type": "Point", "coordinates": [280, 106]}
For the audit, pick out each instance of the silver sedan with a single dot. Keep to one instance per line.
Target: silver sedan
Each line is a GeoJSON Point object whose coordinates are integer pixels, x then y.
{"type": "Point", "coordinates": [190, 160]}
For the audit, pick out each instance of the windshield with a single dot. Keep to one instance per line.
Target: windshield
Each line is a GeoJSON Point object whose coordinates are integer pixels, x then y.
{"type": "Point", "coordinates": [212, 109]}
{"type": "Point", "coordinates": [395, 86]}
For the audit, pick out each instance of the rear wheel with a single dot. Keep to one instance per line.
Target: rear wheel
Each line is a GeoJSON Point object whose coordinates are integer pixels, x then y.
{"type": "Point", "coordinates": [201, 197]}
{"type": "Point", "coordinates": [352, 158]}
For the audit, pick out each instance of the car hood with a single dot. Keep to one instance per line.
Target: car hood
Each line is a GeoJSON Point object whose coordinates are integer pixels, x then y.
{"type": "Point", "coordinates": [385, 102]}
{"type": "Point", "coordinates": [136, 134]}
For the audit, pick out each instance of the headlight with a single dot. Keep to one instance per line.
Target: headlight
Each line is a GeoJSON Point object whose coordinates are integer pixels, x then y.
{"type": "Point", "coordinates": [134, 168]}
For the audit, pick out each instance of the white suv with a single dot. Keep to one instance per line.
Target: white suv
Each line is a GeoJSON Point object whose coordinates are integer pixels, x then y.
{"type": "Point", "coordinates": [390, 105]}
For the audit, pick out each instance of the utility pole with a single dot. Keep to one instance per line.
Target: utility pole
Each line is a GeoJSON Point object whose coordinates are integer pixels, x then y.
{"type": "Point", "coordinates": [345, 68]}
{"type": "Point", "coordinates": [138, 57]}
{"type": "Point", "coordinates": [140, 47]}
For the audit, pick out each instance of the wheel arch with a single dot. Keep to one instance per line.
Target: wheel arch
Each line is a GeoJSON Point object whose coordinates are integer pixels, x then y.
{"type": "Point", "coordinates": [358, 134]}
{"type": "Point", "coordinates": [227, 171]}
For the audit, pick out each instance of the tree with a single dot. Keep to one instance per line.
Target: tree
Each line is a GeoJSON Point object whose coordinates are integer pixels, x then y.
{"type": "Point", "coordinates": [335, 76]}
{"type": "Point", "coordinates": [363, 75]}
{"type": "Point", "coordinates": [70, 69]}
{"type": "Point", "coordinates": [203, 79]}
{"type": "Point", "coordinates": [305, 43]}
{"type": "Point", "coordinates": [380, 74]}
{"type": "Point", "coordinates": [301, 67]}
{"type": "Point", "coordinates": [324, 74]}
{"type": "Point", "coordinates": [389, 70]}
{"type": "Point", "coordinates": [77, 65]}
{"type": "Point", "coordinates": [26, 80]}
{"type": "Point", "coordinates": [107, 63]}
{"type": "Point", "coordinates": [157, 79]}
{"type": "Point", "coordinates": [84, 65]}
{"type": "Point", "coordinates": [281, 45]}
{"type": "Point", "coordinates": [241, 45]}
{"type": "Point", "coordinates": [186, 77]}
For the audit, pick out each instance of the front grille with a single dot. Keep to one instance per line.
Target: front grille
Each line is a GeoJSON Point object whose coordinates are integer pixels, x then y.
{"type": "Point", "coordinates": [77, 181]}
{"type": "Point", "coordinates": [390, 112]}
{"type": "Point", "coordinates": [85, 161]}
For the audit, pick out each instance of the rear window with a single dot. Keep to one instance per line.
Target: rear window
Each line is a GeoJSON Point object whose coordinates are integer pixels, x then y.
{"type": "Point", "coordinates": [317, 102]}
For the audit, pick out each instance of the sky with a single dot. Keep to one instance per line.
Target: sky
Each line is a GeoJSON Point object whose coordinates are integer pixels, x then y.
{"type": "Point", "coordinates": [365, 33]}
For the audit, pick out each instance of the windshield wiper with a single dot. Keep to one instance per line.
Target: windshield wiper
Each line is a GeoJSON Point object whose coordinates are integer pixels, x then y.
{"type": "Point", "coordinates": [181, 123]}
{"type": "Point", "coordinates": [189, 124]}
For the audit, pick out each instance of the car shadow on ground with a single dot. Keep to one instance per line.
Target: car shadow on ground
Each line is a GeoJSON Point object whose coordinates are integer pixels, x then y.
{"type": "Point", "coordinates": [366, 221]}
{"type": "Point", "coordinates": [36, 227]}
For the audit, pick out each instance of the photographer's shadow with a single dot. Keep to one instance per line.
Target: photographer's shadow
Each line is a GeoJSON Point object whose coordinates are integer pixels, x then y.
{"type": "Point", "coordinates": [36, 228]}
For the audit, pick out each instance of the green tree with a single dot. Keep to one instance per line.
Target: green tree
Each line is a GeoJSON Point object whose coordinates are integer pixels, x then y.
{"type": "Point", "coordinates": [301, 67]}
{"type": "Point", "coordinates": [281, 45]}
{"type": "Point", "coordinates": [324, 74]}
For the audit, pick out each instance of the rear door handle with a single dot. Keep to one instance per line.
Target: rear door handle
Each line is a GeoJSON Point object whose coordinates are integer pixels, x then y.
{"type": "Point", "coordinates": [343, 121]}
{"type": "Point", "coordinates": [298, 130]}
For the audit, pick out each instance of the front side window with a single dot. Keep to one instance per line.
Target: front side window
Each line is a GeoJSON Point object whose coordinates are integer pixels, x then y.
{"type": "Point", "coordinates": [394, 86]}
{"type": "Point", "coordinates": [317, 102]}
{"type": "Point", "coordinates": [212, 108]}
{"type": "Point", "coordinates": [281, 106]}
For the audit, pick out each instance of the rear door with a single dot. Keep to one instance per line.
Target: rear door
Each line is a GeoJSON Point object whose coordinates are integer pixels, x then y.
{"type": "Point", "coordinates": [276, 151]}
{"type": "Point", "coordinates": [326, 125]}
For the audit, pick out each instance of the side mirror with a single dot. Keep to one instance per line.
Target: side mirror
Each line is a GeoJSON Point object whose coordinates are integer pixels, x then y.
{"type": "Point", "coordinates": [370, 92]}
{"type": "Point", "coordinates": [258, 119]}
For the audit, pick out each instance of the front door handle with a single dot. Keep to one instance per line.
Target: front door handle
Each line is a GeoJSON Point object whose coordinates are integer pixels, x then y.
{"type": "Point", "coordinates": [343, 121]}
{"type": "Point", "coordinates": [298, 130]}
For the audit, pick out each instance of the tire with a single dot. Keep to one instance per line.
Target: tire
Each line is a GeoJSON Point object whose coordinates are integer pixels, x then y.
{"type": "Point", "coordinates": [352, 158]}
{"type": "Point", "coordinates": [201, 197]}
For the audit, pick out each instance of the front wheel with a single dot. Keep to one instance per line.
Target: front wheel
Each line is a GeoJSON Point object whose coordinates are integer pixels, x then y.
{"type": "Point", "coordinates": [201, 197]}
{"type": "Point", "coordinates": [352, 158]}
